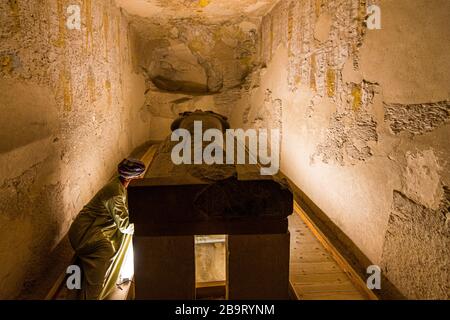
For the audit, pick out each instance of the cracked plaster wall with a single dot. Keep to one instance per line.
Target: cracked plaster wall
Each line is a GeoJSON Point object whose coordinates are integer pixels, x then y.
{"type": "Point", "coordinates": [365, 125]}
{"type": "Point", "coordinates": [68, 102]}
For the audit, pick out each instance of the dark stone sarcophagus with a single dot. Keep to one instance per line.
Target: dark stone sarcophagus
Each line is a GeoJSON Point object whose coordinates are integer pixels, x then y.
{"type": "Point", "coordinates": [195, 199]}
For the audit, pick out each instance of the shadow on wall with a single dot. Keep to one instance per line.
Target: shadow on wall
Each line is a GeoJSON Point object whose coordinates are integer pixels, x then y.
{"type": "Point", "coordinates": [70, 109]}
{"type": "Point", "coordinates": [23, 119]}
{"type": "Point", "coordinates": [32, 193]}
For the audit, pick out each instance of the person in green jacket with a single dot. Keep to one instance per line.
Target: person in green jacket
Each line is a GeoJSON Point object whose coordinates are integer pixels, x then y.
{"type": "Point", "coordinates": [97, 232]}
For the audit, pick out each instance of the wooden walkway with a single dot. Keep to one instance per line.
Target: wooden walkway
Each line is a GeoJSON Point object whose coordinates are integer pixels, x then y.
{"type": "Point", "coordinates": [314, 274]}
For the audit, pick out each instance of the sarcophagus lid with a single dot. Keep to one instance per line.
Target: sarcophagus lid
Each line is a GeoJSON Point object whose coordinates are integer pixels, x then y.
{"type": "Point", "coordinates": [209, 120]}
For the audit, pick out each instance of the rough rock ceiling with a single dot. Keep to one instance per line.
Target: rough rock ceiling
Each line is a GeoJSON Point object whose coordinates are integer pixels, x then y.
{"type": "Point", "coordinates": [193, 65]}
{"type": "Point", "coordinates": [194, 54]}
{"type": "Point", "coordinates": [207, 10]}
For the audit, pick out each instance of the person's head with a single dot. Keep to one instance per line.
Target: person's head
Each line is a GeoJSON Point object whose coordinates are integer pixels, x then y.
{"type": "Point", "coordinates": [130, 169]}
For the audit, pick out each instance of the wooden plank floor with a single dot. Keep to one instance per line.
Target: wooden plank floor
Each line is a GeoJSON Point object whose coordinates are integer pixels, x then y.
{"type": "Point", "coordinates": [314, 274]}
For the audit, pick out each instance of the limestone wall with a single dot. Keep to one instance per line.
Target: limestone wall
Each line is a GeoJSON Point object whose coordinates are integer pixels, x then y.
{"type": "Point", "coordinates": [365, 126]}
{"type": "Point", "coordinates": [70, 109]}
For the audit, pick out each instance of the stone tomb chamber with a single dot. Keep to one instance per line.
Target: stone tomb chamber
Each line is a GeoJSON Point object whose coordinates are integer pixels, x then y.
{"type": "Point", "coordinates": [345, 191]}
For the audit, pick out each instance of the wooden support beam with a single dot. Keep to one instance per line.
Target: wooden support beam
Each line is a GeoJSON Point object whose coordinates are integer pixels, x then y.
{"type": "Point", "coordinates": [59, 284]}
{"type": "Point", "coordinates": [148, 157]}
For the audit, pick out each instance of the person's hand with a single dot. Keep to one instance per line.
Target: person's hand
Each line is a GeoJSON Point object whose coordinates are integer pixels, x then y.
{"type": "Point", "coordinates": [129, 229]}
